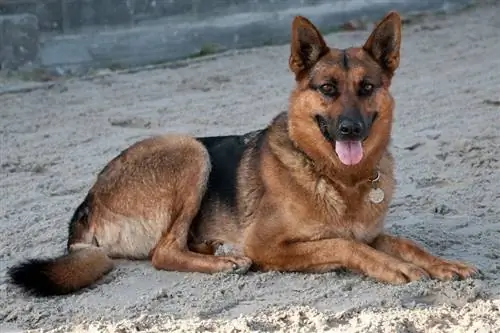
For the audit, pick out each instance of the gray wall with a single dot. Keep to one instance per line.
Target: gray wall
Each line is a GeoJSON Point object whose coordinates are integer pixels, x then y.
{"type": "Point", "coordinates": [70, 15]}
{"type": "Point", "coordinates": [79, 34]}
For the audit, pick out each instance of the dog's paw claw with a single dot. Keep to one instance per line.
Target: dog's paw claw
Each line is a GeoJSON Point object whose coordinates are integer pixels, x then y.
{"type": "Point", "coordinates": [240, 265]}
{"type": "Point", "coordinates": [478, 273]}
{"type": "Point", "coordinates": [425, 277]}
{"type": "Point", "coordinates": [240, 270]}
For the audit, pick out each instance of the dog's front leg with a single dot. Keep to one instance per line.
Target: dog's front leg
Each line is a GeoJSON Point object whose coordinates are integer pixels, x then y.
{"type": "Point", "coordinates": [329, 254]}
{"type": "Point", "coordinates": [409, 251]}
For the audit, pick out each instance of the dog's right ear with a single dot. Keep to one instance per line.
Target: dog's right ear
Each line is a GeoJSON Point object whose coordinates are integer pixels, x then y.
{"type": "Point", "coordinates": [307, 45]}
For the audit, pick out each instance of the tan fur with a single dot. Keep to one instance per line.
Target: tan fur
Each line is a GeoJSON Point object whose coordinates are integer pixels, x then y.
{"type": "Point", "coordinates": [145, 202]}
{"type": "Point", "coordinates": [80, 268]}
{"type": "Point", "coordinates": [298, 207]}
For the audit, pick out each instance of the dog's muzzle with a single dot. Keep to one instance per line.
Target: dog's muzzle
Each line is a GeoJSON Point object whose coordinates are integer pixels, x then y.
{"type": "Point", "coordinates": [350, 129]}
{"type": "Point", "coordinates": [342, 129]}
{"type": "Point", "coordinates": [346, 134]}
{"type": "Point", "coordinates": [345, 128]}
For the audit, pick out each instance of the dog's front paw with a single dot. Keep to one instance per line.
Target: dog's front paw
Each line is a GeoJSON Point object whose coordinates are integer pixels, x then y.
{"type": "Point", "coordinates": [451, 270]}
{"type": "Point", "coordinates": [398, 273]}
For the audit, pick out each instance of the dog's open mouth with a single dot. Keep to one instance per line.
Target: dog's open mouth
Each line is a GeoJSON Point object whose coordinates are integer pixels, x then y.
{"type": "Point", "coordinates": [348, 152]}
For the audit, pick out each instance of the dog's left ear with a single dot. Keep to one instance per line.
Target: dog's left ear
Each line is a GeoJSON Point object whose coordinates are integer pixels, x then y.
{"type": "Point", "coordinates": [307, 45]}
{"type": "Point", "coordinates": [385, 41]}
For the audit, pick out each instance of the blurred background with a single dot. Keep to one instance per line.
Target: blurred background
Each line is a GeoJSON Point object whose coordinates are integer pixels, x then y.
{"type": "Point", "coordinates": [75, 35]}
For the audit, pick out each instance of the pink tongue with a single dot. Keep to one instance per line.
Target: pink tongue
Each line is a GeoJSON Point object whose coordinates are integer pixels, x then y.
{"type": "Point", "coordinates": [349, 152]}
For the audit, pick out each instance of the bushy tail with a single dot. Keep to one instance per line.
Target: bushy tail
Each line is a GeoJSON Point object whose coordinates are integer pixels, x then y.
{"type": "Point", "coordinates": [62, 275]}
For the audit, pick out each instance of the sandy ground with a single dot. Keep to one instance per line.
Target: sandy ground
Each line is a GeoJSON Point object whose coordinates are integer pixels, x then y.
{"type": "Point", "coordinates": [447, 144]}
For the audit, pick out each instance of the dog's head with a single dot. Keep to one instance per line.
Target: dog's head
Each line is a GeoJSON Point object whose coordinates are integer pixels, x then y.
{"type": "Point", "coordinates": [341, 108]}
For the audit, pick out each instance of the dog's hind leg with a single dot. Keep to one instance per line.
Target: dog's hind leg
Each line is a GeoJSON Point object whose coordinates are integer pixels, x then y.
{"type": "Point", "coordinates": [172, 251]}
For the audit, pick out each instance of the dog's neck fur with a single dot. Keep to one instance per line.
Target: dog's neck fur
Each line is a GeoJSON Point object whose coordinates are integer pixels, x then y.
{"type": "Point", "coordinates": [290, 153]}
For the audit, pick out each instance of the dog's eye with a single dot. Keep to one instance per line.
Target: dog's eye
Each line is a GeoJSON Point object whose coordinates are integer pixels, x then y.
{"type": "Point", "coordinates": [328, 89]}
{"type": "Point", "coordinates": [366, 89]}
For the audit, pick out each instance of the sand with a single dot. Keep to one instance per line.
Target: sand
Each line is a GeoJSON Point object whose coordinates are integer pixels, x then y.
{"type": "Point", "coordinates": [446, 140]}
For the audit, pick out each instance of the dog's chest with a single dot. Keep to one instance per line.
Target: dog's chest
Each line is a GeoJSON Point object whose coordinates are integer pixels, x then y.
{"type": "Point", "coordinates": [362, 230]}
{"type": "Point", "coordinates": [349, 213]}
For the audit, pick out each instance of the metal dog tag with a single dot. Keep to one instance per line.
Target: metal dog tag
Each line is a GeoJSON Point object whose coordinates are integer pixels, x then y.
{"type": "Point", "coordinates": [376, 195]}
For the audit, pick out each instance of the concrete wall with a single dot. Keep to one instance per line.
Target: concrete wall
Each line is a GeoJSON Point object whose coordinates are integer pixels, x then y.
{"type": "Point", "coordinates": [70, 15]}
{"type": "Point", "coordinates": [19, 40]}
{"type": "Point", "coordinates": [79, 34]}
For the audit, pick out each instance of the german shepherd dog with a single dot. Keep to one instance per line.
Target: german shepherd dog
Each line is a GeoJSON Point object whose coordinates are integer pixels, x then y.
{"type": "Point", "coordinates": [308, 193]}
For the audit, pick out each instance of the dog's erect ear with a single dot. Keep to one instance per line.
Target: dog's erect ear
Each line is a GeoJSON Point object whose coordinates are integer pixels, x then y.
{"type": "Point", "coordinates": [385, 41]}
{"type": "Point", "coordinates": [307, 45]}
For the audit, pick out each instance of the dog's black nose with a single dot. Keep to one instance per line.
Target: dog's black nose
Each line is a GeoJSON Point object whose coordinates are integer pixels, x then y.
{"type": "Point", "coordinates": [349, 129]}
